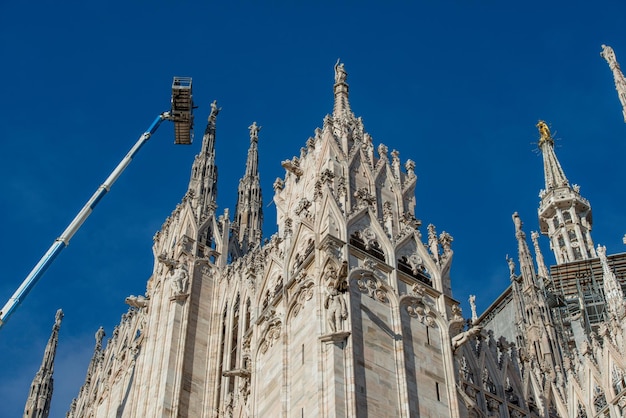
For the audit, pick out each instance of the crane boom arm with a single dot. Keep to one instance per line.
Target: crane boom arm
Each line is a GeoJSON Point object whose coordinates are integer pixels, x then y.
{"type": "Point", "coordinates": [64, 239]}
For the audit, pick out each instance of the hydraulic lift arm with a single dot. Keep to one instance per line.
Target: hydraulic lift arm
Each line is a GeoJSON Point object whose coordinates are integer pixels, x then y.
{"type": "Point", "coordinates": [181, 115]}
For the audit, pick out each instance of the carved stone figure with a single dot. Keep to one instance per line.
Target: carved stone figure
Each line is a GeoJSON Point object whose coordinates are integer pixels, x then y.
{"type": "Point", "coordinates": [179, 279]}
{"type": "Point", "coordinates": [99, 336]}
{"type": "Point", "coordinates": [511, 264]}
{"type": "Point", "coordinates": [472, 302]}
{"type": "Point", "coordinates": [136, 301]}
{"type": "Point", "coordinates": [463, 337]}
{"type": "Point", "coordinates": [214, 109]}
{"type": "Point", "coordinates": [58, 317]}
{"type": "Point", "coordinates": [340, 73]}
{"type": "Point", "coordinates": [336, 311]}
{"type": "Point", "coordinates": [254, 130]}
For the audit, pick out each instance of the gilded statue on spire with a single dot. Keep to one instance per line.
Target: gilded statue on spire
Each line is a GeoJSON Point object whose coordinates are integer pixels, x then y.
{"type": "Point", "coordinates": [544, 132]}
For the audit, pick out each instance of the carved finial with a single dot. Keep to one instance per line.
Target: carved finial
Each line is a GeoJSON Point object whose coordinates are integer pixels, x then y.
{"type": "Point", "coordinates": [544, 133]}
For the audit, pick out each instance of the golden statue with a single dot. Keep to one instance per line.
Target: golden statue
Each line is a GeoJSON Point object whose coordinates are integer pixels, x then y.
{"type": "Point", "coordinates": [544, 131]}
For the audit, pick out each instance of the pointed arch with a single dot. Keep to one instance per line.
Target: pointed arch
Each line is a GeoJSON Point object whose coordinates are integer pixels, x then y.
{"type": "Point", "coordinates": [366, 234]}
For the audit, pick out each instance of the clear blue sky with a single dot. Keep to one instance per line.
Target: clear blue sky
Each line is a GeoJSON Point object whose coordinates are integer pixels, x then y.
{"type": "Point", "coordinates": [457, 86]}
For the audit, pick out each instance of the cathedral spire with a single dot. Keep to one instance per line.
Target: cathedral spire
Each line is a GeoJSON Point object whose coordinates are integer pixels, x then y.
{"type": "Point", "coordinates": [564, 215]}
{"type": "Point", "coordinates": [612, 289]}
{"type": "Point", "coordinates": [249, 210]}
{"type": "Point", "coordinates": [527, 270]}
{"type": "Point", "coordinates": [542, 270]}
{"type": "Point", "coordinates": [203, 182]}
{"type": "Point", "coordinates": [553, 173]}
{"type": "Point", "coordinates": [620, 83]}
{"type": "Point", "coordinates": [540, 334]}
{"type": "Point", "coordinates": [342, 105]}
{"type": "Point", "coordinates": [40, 396]}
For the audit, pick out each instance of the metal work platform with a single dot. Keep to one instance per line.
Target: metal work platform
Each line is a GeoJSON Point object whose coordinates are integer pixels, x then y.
{"type": "Point", "coordinates": [182, 110]}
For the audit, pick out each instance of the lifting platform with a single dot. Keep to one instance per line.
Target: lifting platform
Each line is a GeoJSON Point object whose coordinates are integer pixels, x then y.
{"type": "Point", "coordinates": [182, 110]}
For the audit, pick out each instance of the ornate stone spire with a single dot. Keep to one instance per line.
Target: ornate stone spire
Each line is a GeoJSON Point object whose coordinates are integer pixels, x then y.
{"type": "Point", "coordinates": [541, 265]}
{"type": "Point", "coordinates": [612, 289]}
{"type": "Point", "coordinates": [526, 267]}
{"type": "Point", "coordinates": [539, 332]}
{"type": "Point", "coordinates": [342, 105]}
{"type": "Point", "coordinates": [620, 83]}
{"type": "Point", "coordinates": [564, 215]}
{"type": "Point", "coordinates": [249, 210]}
{"type": "Point", "coordinates": [553, 172]}
{"type": "Point", "coordinates": [203, 182]}
{"type": "Point", "coordinates": [40, 395]}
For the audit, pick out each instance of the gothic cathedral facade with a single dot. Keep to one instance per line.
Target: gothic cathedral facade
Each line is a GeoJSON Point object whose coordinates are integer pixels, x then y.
{"type": "Point", "coordinates": [347, 310]}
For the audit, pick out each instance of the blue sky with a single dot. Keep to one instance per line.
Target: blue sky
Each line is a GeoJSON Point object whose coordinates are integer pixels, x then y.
{"type": "Point", "coordinates": [457, 86]}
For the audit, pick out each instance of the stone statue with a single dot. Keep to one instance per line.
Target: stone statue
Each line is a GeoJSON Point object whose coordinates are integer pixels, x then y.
{"type": "Point", "coordinates": [340, 73]}
{"type": "Point", "coordinates": [180, 277]}
{"type": "Point", "coordinates": [461, 338]}
{"type": "Point", "coordinates": [136, 301]}
{"type": "Point", "coordinates": [214, 109]}
{"type": "Point", "coordinates": [472, 302]}
{"type": "Point", "coordinates": [336, 311]}
{"type": "Point", "coordinates": [609, 55]}
{"type": "Point", "coordinates": [99, 336]}
{"type": "Point", "coordinates": [254, 130]}
{"type": "Point", "coordinates": [58, 317]}
{"type": "Point", "coordinates": [511, 263]}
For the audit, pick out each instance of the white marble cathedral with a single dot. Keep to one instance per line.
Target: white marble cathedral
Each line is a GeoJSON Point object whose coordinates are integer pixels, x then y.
{"type": "Point", "coordinates": [347, 310]}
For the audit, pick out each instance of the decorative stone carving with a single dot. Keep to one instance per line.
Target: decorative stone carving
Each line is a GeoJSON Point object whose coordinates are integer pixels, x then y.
{"type": "Point", "coordinates": [364, 198]}
{"type": "Point", "coordinates": [303, 206]}
{"type": "Point", "coordinates": [416, 308]}
{"type": "Point", "coordinates": [136, 301]}
{"type": "Point", "coordinates": [620, 83]}
{"type": "Point", "coordinates": [340, 73]}
{"type": "Point", "coordinates": [336, 311]}
{"type": "Point", "coordinates": [305, 293]}
{"type": "Point", "coordinates": [461, 338]}
{"type": "Point", "coordinates": [511, 264]}
{"type": "Point", "coordinates": [472, 302]}
{"type": "Point", "coordinates": [271, 336]}
{"type": "Point", "coordinates": [279, 184]}
{"type": "Point", "coordinates": [410, 168]}
{"type": "Point", "coordinates": [369, 284]}
{"type": "Point", "coordinates": [433, 243]}
{"type": "Point", "coordinates": [179, 279]}
{"type": "Point", "coordinates": [293, 166]}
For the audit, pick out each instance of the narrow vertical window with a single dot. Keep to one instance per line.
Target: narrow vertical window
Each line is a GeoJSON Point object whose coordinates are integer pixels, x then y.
{"type": "Point", "coordinates": [234, 345]}
{"type": "Point", "coordinates": [247, 313]}
{"type": "Point", "coordinates": [437, 390]}
{"type": "Point", "coordinates": [220, 367]}
{"type": "Point", "coordinates": [302, 353]}
{"type": "Point", "coordinates": [427, 335]}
